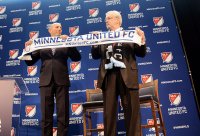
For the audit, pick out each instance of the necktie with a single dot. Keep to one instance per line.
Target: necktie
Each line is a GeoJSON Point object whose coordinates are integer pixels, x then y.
{"type": "Point", "coordinates": [53, 50]}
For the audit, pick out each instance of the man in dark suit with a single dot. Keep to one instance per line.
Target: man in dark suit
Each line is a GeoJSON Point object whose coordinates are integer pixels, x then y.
{"type": "Point", "coordinates": [118, 75]}
{"type": "Point", "coordinates": [54, 82]}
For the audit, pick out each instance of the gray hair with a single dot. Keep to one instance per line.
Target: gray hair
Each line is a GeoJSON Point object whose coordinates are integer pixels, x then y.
{"type": "Point", "coordinates": [115, 13]}
{"type": "Point", "coordinates": [50, 26]}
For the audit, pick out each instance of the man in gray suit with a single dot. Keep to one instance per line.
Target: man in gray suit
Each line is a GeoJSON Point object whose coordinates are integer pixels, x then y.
{"type": "Point", "coordinates": [54, 81]}
{"type": "Point", "coordinates": [118, 75]}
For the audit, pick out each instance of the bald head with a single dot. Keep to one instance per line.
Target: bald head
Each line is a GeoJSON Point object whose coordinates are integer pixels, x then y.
{"type": "Point", "coordinates": [55, 29]}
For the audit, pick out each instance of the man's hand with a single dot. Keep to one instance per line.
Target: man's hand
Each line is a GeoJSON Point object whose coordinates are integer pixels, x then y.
{"type": "Point", "coordinates": [64, 37]}
{"type": "Point", "coordinates": [27, 44]}
{"type": "Point", "coordinates": [141, 34]}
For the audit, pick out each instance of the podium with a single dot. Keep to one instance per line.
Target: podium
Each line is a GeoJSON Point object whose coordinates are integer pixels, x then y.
{"type": "Point", "coordinates": [11, 89]}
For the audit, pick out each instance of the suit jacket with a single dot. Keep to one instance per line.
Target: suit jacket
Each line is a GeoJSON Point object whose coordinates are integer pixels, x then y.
{"type": "Point", "coordinates": [54, 65]}
{"type": "Point", "coordinates": [130, 73]}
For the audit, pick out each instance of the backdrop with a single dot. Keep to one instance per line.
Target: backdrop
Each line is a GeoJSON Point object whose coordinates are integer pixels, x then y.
{"type": "Point", "coordinates": [21, 20]}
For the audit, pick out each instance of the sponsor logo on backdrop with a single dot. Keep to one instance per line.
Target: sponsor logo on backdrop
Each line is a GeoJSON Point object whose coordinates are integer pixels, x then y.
{"type": "Point", "coordinates": [13, 54]}
{"type": "Point", "coordinates": [171, 81]}
{"type": "Point", "coordinates": [100, 126]}
{"type": "Point", "coordinates": [30, 111]}
{"type": "Point", "coordinates": [16, 22]}
{"type": "Point", "coordinates": [93, 13]}
{"type": "Point", "coordinates": [134, 8]}
{"type": "Point", "coordinates": [181, 126]}
{"type": "Point", "coordinates": [35, 9]}
{"type": "Point", "coordinates": [146, 78]}
{"type": "Point", "coordinates": [112, 2]}
{"type": "Point", "coordinates": [167, 57]}
{"type": "Point", "coordinates": [157, 8]}
{"type": "Point", "coordinates": [76, 108]}
{"type": "Point", "coordinates": [159, 22]}
{"type": "Point", "coordinates": [54, 131]}
{"type": "Point", "coordinates": [33, 34]}
{"type": "Point", "coordinates": [32, 70]}
{"type": "Point", "coordinates": [164, 42]}
{"type": "Point", "coordinates": [73, 30]}
{"type": "Point", "coordinates": [72, 2]}
{"type": "Point", "coordinates": [2, 11]}
{"type": "Point", "coordinates": [54, 6]}
{"type": "Point", "coordinates": [175, 101]}
{"type": "Point", "coordinates": [175, 98]}
{"type": "Point", "coordinates": [34, 23]}
{"type": "Point", "coordinates": [75, 68]}
{"type": "Point", "coordinates": [18, 10]}
{"type": "Point", "coordinates": [73, 5]}
{"type": "Point", "coordinates": [53, 17]}
{"type": "Point", "coordinates": [15, 40]}
{"type": "Point", "coordinates": [151, 122]}
{"type": "Point", "coordinates": [36, 5]}
{"type": "Point", "coordinates": [121, 115]}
